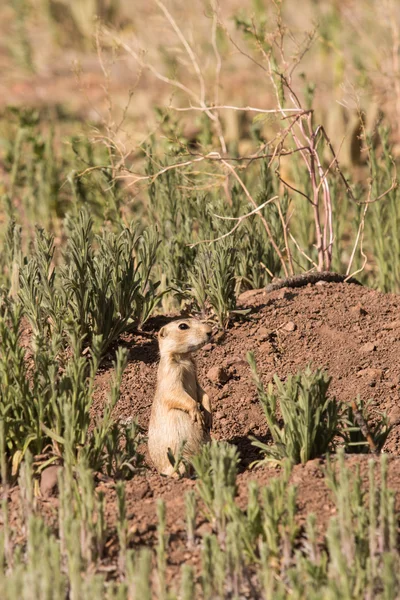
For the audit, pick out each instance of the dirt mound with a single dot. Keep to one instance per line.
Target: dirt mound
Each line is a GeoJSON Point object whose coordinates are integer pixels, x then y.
{"type": "Point", "coordinates": [352, 331]}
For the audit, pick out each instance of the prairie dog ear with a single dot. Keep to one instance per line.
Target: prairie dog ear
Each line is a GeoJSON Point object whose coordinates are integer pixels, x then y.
{"type": "Point", "coordinates": [163, 332]}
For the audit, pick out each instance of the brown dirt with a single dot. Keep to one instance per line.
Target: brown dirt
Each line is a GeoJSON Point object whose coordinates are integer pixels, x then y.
{"type": "Point", "coordinates": [352, 331]}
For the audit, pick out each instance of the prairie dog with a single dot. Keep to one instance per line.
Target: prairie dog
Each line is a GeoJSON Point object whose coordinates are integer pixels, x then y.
{"type": "Point", "coordinates": [181, 410]}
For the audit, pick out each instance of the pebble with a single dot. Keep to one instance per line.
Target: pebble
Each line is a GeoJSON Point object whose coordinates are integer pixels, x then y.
{"type": "Point", "coordinates": [219, 415]}
{"type": "Point", "coordinates": [394, 415]}
{"type": "Point", "coordinates": [204, 529]}
{"type": "Point", "coordinates": [218, 375]}
{"type": "Point", "coordinates": [371, 375]}
{"type": "Point", "coordinates": [395, 380]}
{"type": "Point", "coordinates": [358, 310]}
{"type": "Point", "coordinates": [368, 347]}
{"type": "Point", "coordinates": [283, 294]}
{"type": "Point", "coordinates": [234, 360]}
{"type": "Point", "coordinates": [208, 347]}
{"type": "Point", "coordinates": [290, 326]}
{"type": "Point", "coordinates": [262, 334]}
{"type": "Point", "coordinates": [249, 295]}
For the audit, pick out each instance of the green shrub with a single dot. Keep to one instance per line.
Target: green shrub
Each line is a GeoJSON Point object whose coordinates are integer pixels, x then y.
{"type": "Point", "coordinates": [45, 402]}
{"type": "Point", "coordinates": [259, 552]}
{"type": "Point", "coordinates": [311, 420]}
{"type": "Point", "coordinates": [103, 287]}
{"type": "Point", "coordinates": [216, 468]}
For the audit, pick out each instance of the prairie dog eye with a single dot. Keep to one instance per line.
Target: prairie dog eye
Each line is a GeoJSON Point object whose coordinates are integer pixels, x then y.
{"type": "Point", "coordinates": [183, 326]}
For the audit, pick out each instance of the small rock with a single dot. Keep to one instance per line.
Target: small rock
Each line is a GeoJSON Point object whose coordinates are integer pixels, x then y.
{"type": "Point", "coordinates": [234, 360]}
{"type": "Point", "coordinates": [49, 481]}
{"type": "Point", "coordinates": [142, 490]}
{"type": "Point", "coordinates": [358, 310]}
{"type": "Point", "coordinates": [208, 347]}
{"type": "Point", "coordinates": [218, 375]}
{"type": "Point", "coordinates": [219, 336]}
{"type": "Point", "coordinates": [219, 415]}
{"type": "Point", "coordinates": [249, 295]}
{"type": "Point", "coordinates": [371, 375]}
{"type": "Point", "coordinates": [368, 347]}
{"type": "Point", "coordinates": [290, 326]}
{"type": "Point", "coordinates": [395, 380]}
{"type": "Point", "coordinates": [394, 415]}
{"type": "Point", "coordinates": [204, 529]}
{"type": "Point", "coordinates": [283, 294]}
{"type": "Point", "coordinates": [321, 283]}
{"type": "Point", "coordinates": [133, 530]}
{"type": "Point", "coordinates": [262, 334]}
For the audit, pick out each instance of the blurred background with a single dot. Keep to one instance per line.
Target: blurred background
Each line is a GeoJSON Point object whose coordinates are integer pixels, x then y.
{"type": "Point", "coordinates": [89, 89]}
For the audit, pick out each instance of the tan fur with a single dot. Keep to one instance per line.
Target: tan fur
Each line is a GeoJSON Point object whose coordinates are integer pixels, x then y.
{"type": "Point", "coordinates": [181, 410]}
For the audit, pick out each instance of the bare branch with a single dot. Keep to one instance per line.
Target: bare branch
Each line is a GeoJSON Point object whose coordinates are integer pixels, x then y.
{"type": "Point", "coordinates": [187, 47]}
{"type": "Point", "coordinates": [239, 221]}
{"type": "Point", "coordinates": [360, 236]}
{"type": "Point", "coordinates": [310, 260]}
{"type": "Point", "coordinates": [241, 108]}
{"type": "Point", "coordinates": [264, 221]}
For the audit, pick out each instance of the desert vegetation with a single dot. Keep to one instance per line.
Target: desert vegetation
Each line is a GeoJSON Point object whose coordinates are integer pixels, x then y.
{"type": "Point", "coordinates": [172, 158]}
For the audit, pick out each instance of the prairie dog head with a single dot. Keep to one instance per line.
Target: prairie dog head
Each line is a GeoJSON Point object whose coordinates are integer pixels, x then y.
{"type": "Point", "coordinates": [183, 336]}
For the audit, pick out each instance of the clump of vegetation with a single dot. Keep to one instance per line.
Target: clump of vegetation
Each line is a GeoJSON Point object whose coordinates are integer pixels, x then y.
{"type": "Point", "coordinates": [305, 422]}
{"type": "Point", "coordinates": [310, 418]}
{"type": "Point", "coordinates": [45, 402]}
{"type": "Point", "coordinates": [103, 287]}
{"type": "Point", "coordinates": [216, 467]}
{"type": "Point", "coordinates": [258, 547]}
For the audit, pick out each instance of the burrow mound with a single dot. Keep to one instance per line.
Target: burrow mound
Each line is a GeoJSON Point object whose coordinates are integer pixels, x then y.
{"type": "Point", "coordinates": [351, 331]}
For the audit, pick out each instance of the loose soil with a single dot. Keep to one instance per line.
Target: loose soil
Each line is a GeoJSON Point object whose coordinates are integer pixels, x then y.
{"type": "Point", "coordinates": [351, 331]}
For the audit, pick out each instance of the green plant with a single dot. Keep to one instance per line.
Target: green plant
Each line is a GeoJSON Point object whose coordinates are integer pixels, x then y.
{"type": "Point", "coordinates": [362, 539]}
{"type": "Point", "coordinates": [222, 283]}
{"type": "Point", "coordinates": [103, 287]}
{"type": "Point", "coordinates": [310, 418]}
{"type": "Point", "coordinates": [45, 402]}
{"type": "Point", "coordinates": [122, 527]}
{"type": "Point", "coordinates": [162, 549]}
{"type": "Point", "coordinates": [212, 282]}
{"type": "Point", "coordinates": [122, 458]}
{"type": "Point", "coordinates": [213, 568]}
{"type": "Point", "coordinates": [178, 461]}
{"type": "Point", "coordinates": [216, 468]}
{"type": "Point", "coordinates": [187, 585]}
{"type": "Point", "coordinates": [384, 218]}
{"type": "Point", "coordinates": [190, 506]}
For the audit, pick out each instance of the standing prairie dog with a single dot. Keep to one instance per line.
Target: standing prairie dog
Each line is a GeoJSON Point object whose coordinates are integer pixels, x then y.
{"type": "Point", "coordinates": [181, 410]}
